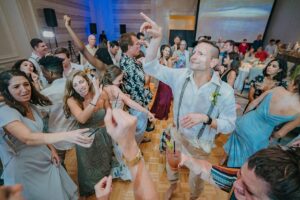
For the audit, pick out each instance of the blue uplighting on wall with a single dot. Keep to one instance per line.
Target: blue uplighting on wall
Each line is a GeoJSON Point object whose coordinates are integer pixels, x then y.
{"type": "Point", "coordinates": [104, 18]}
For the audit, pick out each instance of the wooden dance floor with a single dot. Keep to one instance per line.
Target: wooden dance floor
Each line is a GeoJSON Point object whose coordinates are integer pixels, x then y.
{"type": "Point", "coordinates": [155, 162]}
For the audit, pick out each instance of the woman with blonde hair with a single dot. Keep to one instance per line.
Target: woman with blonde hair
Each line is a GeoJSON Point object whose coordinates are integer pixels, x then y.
{"type": "Point", "coordinates": [86, 102]}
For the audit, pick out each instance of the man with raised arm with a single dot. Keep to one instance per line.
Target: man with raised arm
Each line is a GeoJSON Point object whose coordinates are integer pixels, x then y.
{"type": "Point", "coordinates": [203, 104]}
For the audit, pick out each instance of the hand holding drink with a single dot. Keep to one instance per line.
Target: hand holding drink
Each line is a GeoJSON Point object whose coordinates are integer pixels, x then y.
{"type": "Point", "coordinates": [173, 155]}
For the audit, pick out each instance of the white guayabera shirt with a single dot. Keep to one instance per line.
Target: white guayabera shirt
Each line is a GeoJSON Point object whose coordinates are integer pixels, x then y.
{"type": "Point", "coordinates": [198, 100]}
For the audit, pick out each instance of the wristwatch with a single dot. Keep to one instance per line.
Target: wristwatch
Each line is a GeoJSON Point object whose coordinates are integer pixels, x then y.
{"type": "Point", "coordinates": [134, 161]}
{"type": "Point", "coordinates": [208, 122]}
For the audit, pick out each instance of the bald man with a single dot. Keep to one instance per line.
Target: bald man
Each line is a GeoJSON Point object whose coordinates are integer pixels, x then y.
{"type": "Point", "coordinates": [91, 47]}
{"type": "Point", "coordinates": [203, 104]}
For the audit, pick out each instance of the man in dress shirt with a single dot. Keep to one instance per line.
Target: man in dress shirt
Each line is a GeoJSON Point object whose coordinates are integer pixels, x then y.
{"type": "Point", "coordinates": [91, 48]}
{"type": "Point", "coordinates": [52, 68]}
{"type": "Point", "coordinates": [109, 55]}
{"type": "Point", "coordinates": [199, 95]}
{"type": "Point", "coordinates": [68, 66]}
{"type": "Point", "coordinates": [271, 48]}
{"type": "Point", "coordinates": [40, 49]}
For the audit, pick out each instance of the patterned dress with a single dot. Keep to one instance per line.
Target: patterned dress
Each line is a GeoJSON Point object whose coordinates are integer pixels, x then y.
{"type": "Point", "coordinates": [181, 62]}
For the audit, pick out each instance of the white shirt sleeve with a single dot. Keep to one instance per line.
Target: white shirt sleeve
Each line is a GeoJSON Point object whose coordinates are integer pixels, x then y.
{"type": "Point", "coordinates": [227, 116]}
{"type": "Point", "coordinates": [165, 74]}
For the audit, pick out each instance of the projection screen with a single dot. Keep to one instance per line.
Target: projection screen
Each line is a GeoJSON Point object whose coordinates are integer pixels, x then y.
{"type": "Point", "coordinates": [233, 19]}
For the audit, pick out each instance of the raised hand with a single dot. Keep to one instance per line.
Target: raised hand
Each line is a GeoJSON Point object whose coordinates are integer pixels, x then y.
{"type": "Point", "coordinates": [103, 188]}
{"type": "Point", "coordinates": [121, 127]}
{"type": "Point", "coordinates": [150, 27]}
{"type": "Point", "coordinates": [78, 138]}
{"type": "Point", "coordinates": [34, 77]}
{"type": "Point", "coordinates": [97, 87]}
{"type": "Point", "coordinates": [216, 65]}
{"type": "Point", "coordinates": [67, 20]}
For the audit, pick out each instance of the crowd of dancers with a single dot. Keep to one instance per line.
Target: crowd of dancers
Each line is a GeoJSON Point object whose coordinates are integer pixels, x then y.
{"type": "Point", "coordinates": [50, 105]}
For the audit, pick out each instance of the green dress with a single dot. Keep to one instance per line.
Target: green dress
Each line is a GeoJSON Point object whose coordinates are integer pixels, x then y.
{"type": "Point", "coordinates": [95, 162]}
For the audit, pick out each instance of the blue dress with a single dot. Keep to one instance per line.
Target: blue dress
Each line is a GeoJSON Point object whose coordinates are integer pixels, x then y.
{"type": "Point", "coordinates": [252, 133]}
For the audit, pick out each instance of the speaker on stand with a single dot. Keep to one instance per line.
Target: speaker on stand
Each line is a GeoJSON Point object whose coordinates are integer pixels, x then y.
{"type": "Point", "coordinates": [51, 20]}
{"type": "Point", "coordinates": [93, 28]}
{"type": "Point", "coordinates": [122, 28]}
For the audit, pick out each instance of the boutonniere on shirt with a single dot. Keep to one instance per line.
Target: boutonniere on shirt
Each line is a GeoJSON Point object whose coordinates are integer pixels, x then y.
{"type": "Point", "coordinates": [214, 97]}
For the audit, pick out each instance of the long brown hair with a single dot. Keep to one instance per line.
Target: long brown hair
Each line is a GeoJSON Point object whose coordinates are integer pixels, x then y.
{"type": "Point", "coordinates": [70, 91]}
{"type": "Point", "coordinates": [36, 97]}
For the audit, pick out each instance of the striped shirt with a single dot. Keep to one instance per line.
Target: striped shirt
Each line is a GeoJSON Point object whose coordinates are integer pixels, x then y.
{"type": "Point", "coordinates": [224, 178]}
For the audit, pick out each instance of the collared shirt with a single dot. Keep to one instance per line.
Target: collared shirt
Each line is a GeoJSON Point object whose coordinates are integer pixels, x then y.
{"type": "Point", "coordinates": [74, 66]}
{"type": "Point", "coordinates": [183, 59]}
{"type": "Point", "coordinates": [115, 58]}
{"type": "Point", "coordinates": [35, 60]}
{"type": "Point", "coordinates": [134, 81]}
{"type": "Point", "coordinates": [271, 49]}
{"type": "Point", "coordinates": [83, 61]}
{"type": "Point", "coordinates": [198, 100]}
{"type": "Point", "coordinates": [57, 122]}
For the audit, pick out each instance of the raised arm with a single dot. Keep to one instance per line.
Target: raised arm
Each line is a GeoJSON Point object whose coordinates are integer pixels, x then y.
{"type": "Point", "coordinates": [80, 45]}
{"type": "Point", "coordinates": [83, 114]}
{"type": "Point", "coordinates": [151, 65]}
{"type": "Point", "coordinates": [121, 127]}
{"type": "Point", "coordinates": [155, 32]}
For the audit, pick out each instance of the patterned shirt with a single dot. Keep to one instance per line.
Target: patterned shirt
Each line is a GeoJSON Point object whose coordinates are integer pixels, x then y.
{"type": "Point", "coordinates": [224, 178]}
{"type": "Point", "coordinates": [134, 81]}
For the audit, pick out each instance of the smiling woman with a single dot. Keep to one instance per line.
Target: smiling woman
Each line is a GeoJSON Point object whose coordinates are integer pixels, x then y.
{"type": "Point", "coordinates": [86, 101]}
{"type": "Point", "coordinates": [26, 158]}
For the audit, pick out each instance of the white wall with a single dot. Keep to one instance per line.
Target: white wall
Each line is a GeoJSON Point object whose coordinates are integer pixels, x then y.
{"type": "Point", "coordinates": [13, 34]}
{"type": "Point", "coordinates": [165, 8]}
